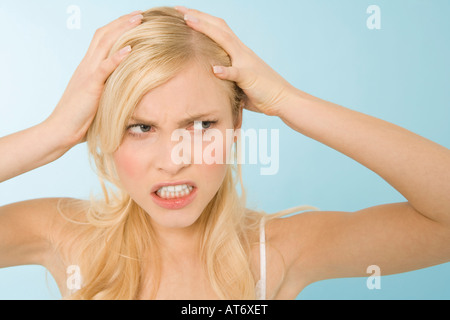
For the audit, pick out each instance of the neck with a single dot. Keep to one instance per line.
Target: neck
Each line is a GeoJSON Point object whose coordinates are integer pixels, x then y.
{"type": "Point", "coordinates": [178, 243]}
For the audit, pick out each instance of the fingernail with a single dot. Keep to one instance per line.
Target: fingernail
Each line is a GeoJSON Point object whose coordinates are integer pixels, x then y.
{"type": "Point", "coordinates": [218, 69]}
{"type": "Point", "coordinates": [181, 8]}
{"type": "Point", "coordinates": [136, 18]}
{"type": "Point", "coordinates": [124, 51]}
{"type": "Point", "coordinates": [190, 18]}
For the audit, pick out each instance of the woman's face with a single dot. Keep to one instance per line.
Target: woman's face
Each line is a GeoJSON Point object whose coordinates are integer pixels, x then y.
{"type": "Point", "coordinates": [148, 158]}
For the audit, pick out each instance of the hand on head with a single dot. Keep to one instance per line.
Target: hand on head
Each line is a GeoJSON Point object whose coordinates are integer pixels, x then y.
{"type": "Point", "coordinates": [265, 89]}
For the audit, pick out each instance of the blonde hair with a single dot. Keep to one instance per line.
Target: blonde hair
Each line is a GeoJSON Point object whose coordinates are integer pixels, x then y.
{"type": "Point", "coordinates": [112, 235]}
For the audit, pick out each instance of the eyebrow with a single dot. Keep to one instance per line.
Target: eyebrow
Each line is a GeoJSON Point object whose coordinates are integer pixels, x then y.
{"type": "Point", "coordinates": [183, 122]}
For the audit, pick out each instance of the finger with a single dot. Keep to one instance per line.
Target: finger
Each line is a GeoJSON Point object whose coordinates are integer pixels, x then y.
{"type": "Point", "coordinates": [215, 28]}
{"type": "Point", "coordinates": [105, 37]}
{"type": "Point", "coordinates": [181, 9]}
{"type": "Point", "coordinates": [113, 25]}
{"type": "Point", "coordinates": [193, 13]}
{"type": "Point", "coordinates": [119, 21]}
{"type": "Point", "coordinates": [108, 35]}
{"type": "Point", "coordinates": [227, 73]}
{"type": "Point", "coordinates": [107, 66]}
{"type": "Point", "coordinates": [199, 14]}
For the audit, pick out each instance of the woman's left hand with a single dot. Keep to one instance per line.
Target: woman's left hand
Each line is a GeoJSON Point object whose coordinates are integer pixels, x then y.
{"type": "Point", "coordinates": [265, 89]}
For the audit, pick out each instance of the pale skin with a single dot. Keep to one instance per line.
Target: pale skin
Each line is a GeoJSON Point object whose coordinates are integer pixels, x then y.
{"type": "Point", "coordinates": [397, 237]}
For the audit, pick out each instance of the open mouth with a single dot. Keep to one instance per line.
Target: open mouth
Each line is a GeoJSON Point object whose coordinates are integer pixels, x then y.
{"type": "Point", "coordinates": [174, 197]}
{"type": "Point", "coordinates": [175, 192]}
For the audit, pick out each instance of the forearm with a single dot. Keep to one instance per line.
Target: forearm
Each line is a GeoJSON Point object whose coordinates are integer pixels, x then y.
{"type": "Point", "coordinates": [29, 149]}
{"type": "Point", "coordinates": [418, 168]}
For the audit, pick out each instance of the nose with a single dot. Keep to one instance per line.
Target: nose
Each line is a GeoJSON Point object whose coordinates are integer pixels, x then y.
{"type": "Point", "coordinates": [173, 156]}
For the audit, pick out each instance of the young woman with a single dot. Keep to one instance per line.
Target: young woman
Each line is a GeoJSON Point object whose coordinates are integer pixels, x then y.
{"type": "Point", "coordinates": [179, 230]}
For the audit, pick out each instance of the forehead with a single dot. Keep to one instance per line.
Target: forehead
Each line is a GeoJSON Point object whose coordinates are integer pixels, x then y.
{"type": "Point", "coordinates": [193, 90]}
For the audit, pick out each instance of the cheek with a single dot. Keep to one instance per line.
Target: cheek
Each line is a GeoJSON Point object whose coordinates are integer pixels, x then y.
{"type": "Point", "coordinates": [215, 166]}
{"type": "Point", "coordinates": [218, 147]}
{"type": "Point", "coordinates": [128, 164]}
{"type": "Point", "coordinates": [215, 174]}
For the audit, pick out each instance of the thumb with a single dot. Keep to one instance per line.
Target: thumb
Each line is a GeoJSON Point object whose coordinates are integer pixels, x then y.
{"type": "Point", "coordinates": [227, 73]}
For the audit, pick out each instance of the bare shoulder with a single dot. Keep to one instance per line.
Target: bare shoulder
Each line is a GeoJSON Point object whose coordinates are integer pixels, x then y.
{"type": "Point", "coordinates": [29, 229]}
{"type": "Point", "coordinates": [44, 214]}
{"type": "Point", "coordinates": [303, 242]}
{"type": "Point", "coordinates": [320, 245]}
{"type": "Point", "coordinates": [294, 236]}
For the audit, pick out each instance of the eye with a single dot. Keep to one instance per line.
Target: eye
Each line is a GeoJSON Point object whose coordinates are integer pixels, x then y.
{"type": "Point", "coordinates": [203, 125]}
{"type": "Point", "coordinates": [137, 129]}
{"type": "Point", "coordinates": [207, 124]}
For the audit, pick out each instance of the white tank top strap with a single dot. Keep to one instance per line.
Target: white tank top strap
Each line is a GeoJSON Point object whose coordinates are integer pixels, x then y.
{"type": "Point", "coordinates": [262, 283]}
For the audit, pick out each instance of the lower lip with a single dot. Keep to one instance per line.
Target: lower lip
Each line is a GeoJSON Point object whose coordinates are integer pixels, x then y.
{"type": "Point", "coordinates": [175, 203]}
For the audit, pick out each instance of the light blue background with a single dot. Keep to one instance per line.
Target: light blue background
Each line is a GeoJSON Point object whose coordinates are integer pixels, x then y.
{"type": "Point", "coordinates": [399, 73]}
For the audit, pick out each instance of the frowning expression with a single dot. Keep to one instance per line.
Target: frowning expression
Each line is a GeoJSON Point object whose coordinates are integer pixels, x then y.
{"type": "Point", "coordinates": [144, 161]}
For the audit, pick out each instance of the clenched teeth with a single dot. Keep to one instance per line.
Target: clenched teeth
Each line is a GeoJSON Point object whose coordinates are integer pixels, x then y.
{"type": "Point", "coordinates": [171, 192]}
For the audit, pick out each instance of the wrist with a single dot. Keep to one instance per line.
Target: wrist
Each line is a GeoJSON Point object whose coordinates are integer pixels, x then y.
{"type": "Point", "coordinates": [300, 110]}
{"type": "Point", "coordinates": [57, 135]}
{"type": "Point", "coordinates": [294, 100]}
{"type": "Point", "coordinates": [29, 149]}
{"type": "Point", "coordinates": [63, 130]}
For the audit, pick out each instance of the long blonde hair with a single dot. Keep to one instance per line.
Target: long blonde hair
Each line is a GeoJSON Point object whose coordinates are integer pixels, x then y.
{"type": "Point", "coordinates": [110, 239]}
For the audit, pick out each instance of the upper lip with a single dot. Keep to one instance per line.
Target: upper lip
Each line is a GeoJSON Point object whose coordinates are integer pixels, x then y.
{"type": "Point", "coordinates": [157, 186]}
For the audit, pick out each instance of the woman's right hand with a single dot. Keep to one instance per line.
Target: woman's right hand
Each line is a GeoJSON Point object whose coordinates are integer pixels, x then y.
{"type": "Point", "coordinates": [78, 105]}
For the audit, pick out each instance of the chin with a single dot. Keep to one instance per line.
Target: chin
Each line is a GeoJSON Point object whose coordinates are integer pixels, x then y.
{"type": "Point", "coordinates": [174, 219]}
